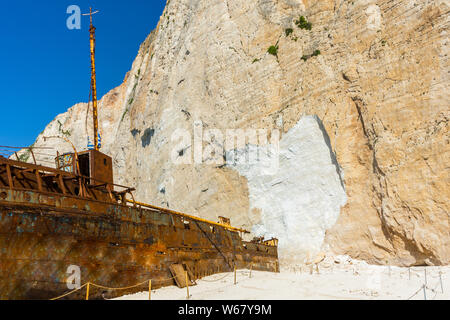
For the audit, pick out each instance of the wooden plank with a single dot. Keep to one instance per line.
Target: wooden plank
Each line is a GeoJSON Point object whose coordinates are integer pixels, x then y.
{"type": "Point", "coordinates": [179, 275]}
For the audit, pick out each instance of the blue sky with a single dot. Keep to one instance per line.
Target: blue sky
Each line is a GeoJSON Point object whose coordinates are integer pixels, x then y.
{"type": "Point", "coordinates": [45, 67]}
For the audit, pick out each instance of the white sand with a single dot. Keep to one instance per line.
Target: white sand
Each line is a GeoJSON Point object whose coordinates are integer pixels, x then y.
{"type": "Point", "coordinates": [354, 280]}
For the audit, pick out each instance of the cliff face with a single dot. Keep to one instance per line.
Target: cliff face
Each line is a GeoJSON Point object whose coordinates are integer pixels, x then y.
{"type": "Point", "coordinates": [360, 100]}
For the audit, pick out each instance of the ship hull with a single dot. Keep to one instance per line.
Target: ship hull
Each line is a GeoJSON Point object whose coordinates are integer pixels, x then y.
{"type": "Point", "coordinates": [116, 246]}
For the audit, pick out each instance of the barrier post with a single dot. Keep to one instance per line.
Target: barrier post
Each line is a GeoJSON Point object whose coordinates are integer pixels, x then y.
{"type": "Point", "coordinates": [251, 268]}
{"type": "Point", "coordinates": [424, 293]}
{"type": "Point", "coordinates": [425, 270]}
{"type": "Point", "coordinates": [409, 273]}
{"type": "Point", "coordinates": [87, 291]}
{"type": "Point", "coordinates": [187, 284]}
{"type": "Point", "coordinates": [149, 289]}
{"type": "Point", "coordinates": [440, 279]}
{"type": "Point", "coordinates": [235, 274]}
{"type": "Point", "coordinates": [389, 270]}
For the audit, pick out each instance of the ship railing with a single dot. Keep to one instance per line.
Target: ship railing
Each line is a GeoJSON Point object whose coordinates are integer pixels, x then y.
{"type": "Point", "coordinates": [84, 187]}
{"type": "Point", "coordinates": [59, 176]}
{"type": "Point", "coordinates": [184, 215]}
{"type": "Point", "coordinates": [22, 154]}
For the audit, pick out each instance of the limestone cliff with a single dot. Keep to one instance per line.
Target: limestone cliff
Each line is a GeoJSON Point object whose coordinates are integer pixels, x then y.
{"type": "Point", "coordinates": [358, 90]}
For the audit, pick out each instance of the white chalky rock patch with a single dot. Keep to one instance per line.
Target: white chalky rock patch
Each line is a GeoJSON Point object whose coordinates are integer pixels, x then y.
{"type": "Point", "coordinates": [301, 199]}
{"type": "Point", "coordinates": [374, 18]}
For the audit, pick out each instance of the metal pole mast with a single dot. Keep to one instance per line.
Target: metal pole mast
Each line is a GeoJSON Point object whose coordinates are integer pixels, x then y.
{"type": "Point", "coordinates": [93, 78]}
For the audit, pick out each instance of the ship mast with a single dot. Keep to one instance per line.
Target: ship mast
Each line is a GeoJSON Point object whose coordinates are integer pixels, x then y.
{"type": "Point", "coordinates": [93, 78]}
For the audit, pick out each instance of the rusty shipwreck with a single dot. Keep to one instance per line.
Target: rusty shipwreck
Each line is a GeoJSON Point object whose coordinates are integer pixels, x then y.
{"type": "Point", "coordinates": [52, 218]}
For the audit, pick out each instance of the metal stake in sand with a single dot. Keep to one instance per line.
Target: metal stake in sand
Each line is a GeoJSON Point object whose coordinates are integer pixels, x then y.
{"type": "Point", "coordinates": [440, 280]}
{"type": "Point", "coordinates": [424, 292]}
{"type": "Point", "coordinates": [187, 284]}
{"type": "Point", "coordinates": [409, 273]}
{"type": "Point", "coordinates": [425, 270]}
{"type": "Point", "coordinates": [87, 291]}
{"type": "Point", "coordinates": [149, 289]}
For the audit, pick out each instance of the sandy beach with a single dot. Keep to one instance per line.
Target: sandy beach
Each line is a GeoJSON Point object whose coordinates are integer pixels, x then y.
{"type": "Point", "coordinates": [347, 279]}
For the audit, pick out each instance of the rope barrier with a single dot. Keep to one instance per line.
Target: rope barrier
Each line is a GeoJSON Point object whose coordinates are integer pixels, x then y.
{"type": "Point", "coordinates": [416, 292]}
{"type": "Point", "coordinates": [110, 288]}
{"type": "Point", "coordinates": [424, 287]}
{"type": "Point", "coordinates": [216, 279]}
{"type": "Point", "coordinates": [123, 288]}
{"type": "Point", "coordinates": [150, 281]}
{"type": "Point", "coordinates": [68, 293]}
{"type": "Point", "coordinates": [129, 287]}
{"type": "Point", "coordinates": [434, 290]}
{"type": "Point", "coordinates": [246, 267]}
{"type": "Point", "coordinates": [161, 280]}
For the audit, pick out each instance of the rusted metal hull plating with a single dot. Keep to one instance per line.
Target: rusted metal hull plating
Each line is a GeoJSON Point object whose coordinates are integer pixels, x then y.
{"type": "Point", "coordinates": [42, 234]}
